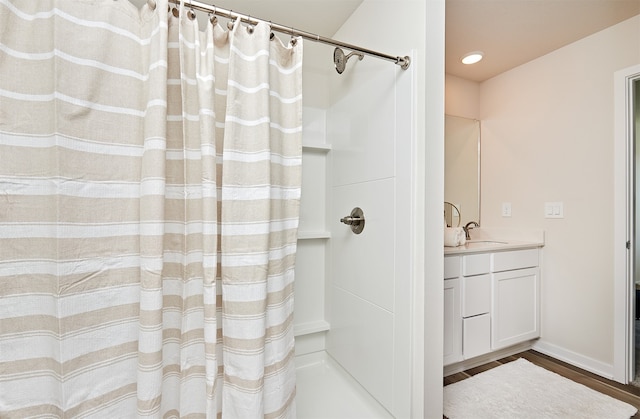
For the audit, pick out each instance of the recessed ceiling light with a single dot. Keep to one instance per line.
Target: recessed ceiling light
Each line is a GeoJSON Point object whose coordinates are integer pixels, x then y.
{"type": "Point", "coordinates": [472, 57]}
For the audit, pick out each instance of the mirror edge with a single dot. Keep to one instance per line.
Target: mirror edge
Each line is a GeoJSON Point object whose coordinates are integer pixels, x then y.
{"type": "Point", "coordinates": [478, 162]}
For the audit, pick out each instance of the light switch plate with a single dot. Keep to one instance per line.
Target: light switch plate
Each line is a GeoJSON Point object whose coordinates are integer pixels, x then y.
{"type": "Point", "coordinates": [506, 209]}
{"type": "Point", "coordinates": [553, 210]}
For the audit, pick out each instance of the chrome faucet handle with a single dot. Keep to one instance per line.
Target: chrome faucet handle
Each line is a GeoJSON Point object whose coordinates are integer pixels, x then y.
{"type": "Point", "coordinates": [355, 220]}
{"type": "Point", "coordinates": [469, 226]}
{"type": "Point", "coordinates": [351, 220]}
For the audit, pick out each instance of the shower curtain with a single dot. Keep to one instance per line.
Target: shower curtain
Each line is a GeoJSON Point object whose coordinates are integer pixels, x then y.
{"type": "Point", "coordinates": [150, 180]}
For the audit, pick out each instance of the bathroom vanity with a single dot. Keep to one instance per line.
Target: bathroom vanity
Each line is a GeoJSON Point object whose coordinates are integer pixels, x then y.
{"type": "Point", "coordinates": [491, 297]}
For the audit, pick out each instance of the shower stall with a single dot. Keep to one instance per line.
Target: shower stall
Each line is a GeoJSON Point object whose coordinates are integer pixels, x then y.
{"type": "Point", "coordinates": [368, 306]}
{"type": "Point", "coordinates": [354, 291]}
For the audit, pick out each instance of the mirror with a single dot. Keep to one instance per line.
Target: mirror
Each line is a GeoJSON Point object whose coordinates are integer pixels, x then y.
{"type": "Point", "coordinates": [462, 166]}
{"type": "Point", "coordinates": [451, 215]}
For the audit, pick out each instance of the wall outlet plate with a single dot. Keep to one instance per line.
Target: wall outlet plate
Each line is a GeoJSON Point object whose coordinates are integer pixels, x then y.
{"type": "Point", "coordinates": [553, 210]}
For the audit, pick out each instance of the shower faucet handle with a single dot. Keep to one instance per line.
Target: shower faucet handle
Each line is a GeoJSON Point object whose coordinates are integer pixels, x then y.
{"type": "Point", "coordinates": [355, 220]}
{"type": "Point", "coordinates": [348, 220]}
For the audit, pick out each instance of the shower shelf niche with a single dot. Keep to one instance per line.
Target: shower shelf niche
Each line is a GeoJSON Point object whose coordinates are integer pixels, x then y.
{"type": "Point", "coordinates": [323, 148]}
{"type": "Point", "coordinates": [312, 235]}
{"type": "Point", "coordinates": [311, 327]}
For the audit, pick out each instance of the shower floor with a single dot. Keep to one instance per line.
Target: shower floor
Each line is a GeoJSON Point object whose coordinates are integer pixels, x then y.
{"type": "Point", "coordinates": [326, 391]}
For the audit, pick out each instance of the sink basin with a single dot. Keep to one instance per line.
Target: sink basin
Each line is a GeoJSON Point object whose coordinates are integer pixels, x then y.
{"type": "Point", "coordinates": [482, 243]}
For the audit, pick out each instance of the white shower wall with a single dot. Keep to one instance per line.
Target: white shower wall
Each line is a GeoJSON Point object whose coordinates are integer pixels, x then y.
{"type": "Point", "coordinates": [374, 288]}
{"type": "Point", "coordinates": [365, 337]}
{"type": "Point", "coordinates": [364, 296]}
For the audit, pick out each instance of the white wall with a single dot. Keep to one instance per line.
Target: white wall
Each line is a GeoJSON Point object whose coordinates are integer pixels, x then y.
{"type": "Point", "coordinates": [462, 97]}
{"type": "Point", "coordinates": [547, 135]}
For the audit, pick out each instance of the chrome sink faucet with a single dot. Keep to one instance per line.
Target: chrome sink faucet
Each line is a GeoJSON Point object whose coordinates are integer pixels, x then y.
{"type": "Point", "coordinates": [469, 226]}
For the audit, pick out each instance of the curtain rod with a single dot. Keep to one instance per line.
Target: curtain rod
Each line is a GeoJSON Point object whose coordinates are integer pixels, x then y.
{"type": "Point", "coordinates": [403, 62]}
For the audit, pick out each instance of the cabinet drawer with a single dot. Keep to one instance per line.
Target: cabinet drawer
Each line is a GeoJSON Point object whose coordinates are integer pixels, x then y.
{"type": "Point", "coordinates": [476, 264]}
{"type": "Point", "coordinates": [516, 259]}
{"type": "Point", "coordinates": [476, 295]}
{"type": "Point", "coordinates": [451, 267]}
{"type": "Point", "coordinates": [476, 336]}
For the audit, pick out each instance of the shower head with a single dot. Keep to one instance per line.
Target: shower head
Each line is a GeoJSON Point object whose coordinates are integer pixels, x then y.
{"type": "Point", "coordinates": [340, 60]}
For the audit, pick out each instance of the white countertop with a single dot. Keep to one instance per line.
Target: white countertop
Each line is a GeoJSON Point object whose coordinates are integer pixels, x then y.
{"type": "Point", "coordinates": [483, 246]}
{"type": "Point", "coordinates": [492, 239]}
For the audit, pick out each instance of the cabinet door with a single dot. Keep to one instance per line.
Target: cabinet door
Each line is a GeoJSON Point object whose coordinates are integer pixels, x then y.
{"type": "Point", "coordinates": [515, 315]}
{"type": "Point", "coordinates": [452, 322]}
{"type": "Point", "coordinates": [476, 336]}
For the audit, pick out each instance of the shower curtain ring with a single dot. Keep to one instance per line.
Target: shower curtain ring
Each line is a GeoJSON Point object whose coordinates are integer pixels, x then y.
{"type": "Point", "coordinates": [231, 22]}
{"type": "Point", "coordinates": [293, 41]}
{"type": "Point", "coordinates": [191, 13]}
{"type": "Point", "coordinates": [250, 27]}
{"type": "Point", "coordinates": [212, 16]}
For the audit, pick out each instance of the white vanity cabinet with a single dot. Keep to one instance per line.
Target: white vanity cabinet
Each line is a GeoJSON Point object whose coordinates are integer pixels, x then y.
{"type": "Point", "coordinates": [491, 302]}
{"type": "Point", "coordinates": [452, 311]}
{"type": "Point", "coordinates": [515, 281]}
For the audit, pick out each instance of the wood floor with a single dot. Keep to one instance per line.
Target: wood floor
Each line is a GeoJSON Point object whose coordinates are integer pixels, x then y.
{"type": "Point", "coordinates": [627, 393]}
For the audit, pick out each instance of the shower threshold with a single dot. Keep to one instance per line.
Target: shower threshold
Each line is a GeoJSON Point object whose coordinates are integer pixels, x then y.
{"type": "Point", "coordinates": [326, 391]}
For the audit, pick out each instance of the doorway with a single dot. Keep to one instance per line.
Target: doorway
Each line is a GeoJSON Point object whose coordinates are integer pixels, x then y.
{"type": "Point", "coordinates": [635, 139]}
{"type": "Point", "coordinates": [626, 212]}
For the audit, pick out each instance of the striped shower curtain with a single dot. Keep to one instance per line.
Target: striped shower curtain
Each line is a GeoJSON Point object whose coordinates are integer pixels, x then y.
{"type": "Point", "coordinates": [150, 178]}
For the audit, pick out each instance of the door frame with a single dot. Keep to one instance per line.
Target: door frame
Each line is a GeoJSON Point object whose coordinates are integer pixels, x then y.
{"type": "Point", "coordinates": [624, 225]}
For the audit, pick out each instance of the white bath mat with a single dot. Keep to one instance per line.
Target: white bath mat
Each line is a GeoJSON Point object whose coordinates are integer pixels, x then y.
{"type": "Point", "coordinates": [520, 389]}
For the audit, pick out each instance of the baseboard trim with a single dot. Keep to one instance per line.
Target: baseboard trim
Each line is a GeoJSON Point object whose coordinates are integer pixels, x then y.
{"type": "Point", "coordinates": [486, 358]}
{"type": "Point", "coordinates": [589, 364]}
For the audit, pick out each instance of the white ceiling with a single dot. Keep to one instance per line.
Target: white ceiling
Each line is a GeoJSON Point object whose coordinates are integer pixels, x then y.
{"type": "Point", "coordinates": [320, 17]}
{"type": "Point", "coordinates": [513, 32]}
